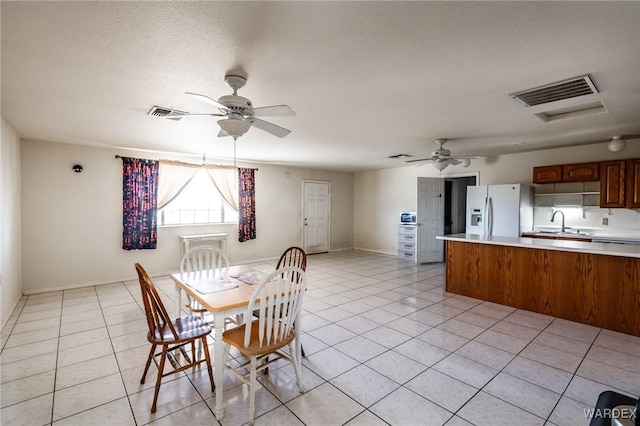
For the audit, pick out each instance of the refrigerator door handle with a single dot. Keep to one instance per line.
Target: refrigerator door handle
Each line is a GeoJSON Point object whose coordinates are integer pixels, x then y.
{"type": "Point", "coordinates": [490, 211]}
{"type": "Point", "coordinates": [485, 216]}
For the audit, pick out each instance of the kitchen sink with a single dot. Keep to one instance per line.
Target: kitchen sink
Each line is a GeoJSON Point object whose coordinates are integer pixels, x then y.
{"type": "Point", "coordinates": [568, 233]}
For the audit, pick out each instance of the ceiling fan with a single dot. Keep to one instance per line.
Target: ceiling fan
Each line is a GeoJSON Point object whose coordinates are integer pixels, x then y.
{"type": "Point", "coordinates": [441, 158]}
{"type": "Point", "coordinates": [239, 113]}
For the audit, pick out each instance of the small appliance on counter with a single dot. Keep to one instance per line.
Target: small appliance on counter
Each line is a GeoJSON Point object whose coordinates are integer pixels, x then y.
{"type": "Point", "coordinates": [408, 218]}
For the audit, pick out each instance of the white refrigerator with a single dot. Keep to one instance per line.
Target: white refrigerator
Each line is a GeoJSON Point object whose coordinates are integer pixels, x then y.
{"type": "Point", "coordinates": [499, 210]}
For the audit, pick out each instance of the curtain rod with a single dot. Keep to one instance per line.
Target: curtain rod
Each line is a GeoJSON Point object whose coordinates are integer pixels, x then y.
{"type": "Point", "coordinates": [198, 165]}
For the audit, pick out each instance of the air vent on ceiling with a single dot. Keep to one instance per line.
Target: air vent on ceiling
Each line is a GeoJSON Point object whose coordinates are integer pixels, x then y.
{"type": "Point", "coordinates": [574, 111]}
{"type": "Point", "coordinates": [566, 89]}
{"type": "Point", "coordinates": [171, 114]}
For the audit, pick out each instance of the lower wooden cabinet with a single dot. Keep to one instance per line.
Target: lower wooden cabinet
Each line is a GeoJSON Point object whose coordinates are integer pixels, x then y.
{"type": "Point", "coordinates": [594, 289]}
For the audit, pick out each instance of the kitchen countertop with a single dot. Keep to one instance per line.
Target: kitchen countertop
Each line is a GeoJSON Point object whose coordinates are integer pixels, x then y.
{"type": "Point", "coordinates": [609, 249]}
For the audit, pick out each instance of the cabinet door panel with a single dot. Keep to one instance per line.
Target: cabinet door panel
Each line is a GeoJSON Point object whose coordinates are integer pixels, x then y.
{"type": "Point", "coordinates": [612, 184]}
{"type": "Point", "coordinates": [633, 183]}
{"type": "Point", "coordinates": [547, 174]}
{"type": "Point", "coordinates": [582, 172]}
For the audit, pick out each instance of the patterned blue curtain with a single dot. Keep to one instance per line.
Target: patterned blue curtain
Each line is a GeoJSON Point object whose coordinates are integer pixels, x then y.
{"type": "Point", "coordinates": [246, 205]}
{"type": "Point", "coordinates": [139, 203]}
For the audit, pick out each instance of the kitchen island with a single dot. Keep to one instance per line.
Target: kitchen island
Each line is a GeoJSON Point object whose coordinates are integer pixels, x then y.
{"type": "Point", "coordinates": [591, 283]}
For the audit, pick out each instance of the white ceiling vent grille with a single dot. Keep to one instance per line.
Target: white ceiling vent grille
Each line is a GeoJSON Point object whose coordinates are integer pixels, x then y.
{"type": "Point", "coordinates": [171, 114]}
{"type": "Point", "coordinates": [566, 89]}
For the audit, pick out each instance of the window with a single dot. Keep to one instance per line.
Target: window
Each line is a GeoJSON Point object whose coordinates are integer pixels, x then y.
{"type": "Point", "coordinates": [198, 203]}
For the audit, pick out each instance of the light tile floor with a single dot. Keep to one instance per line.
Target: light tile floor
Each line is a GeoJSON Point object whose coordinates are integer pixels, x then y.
{"type": "Point", "coordinates": [385, 344]}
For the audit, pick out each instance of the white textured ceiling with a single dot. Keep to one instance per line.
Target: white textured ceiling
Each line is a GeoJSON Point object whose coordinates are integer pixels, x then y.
{"type": "Point", "coordinates": [367, 80]}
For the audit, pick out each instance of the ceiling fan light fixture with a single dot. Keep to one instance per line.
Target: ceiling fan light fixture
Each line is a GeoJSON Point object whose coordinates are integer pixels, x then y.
{"type": "Point", "coordinates": [234, 127]}
{"type": "Point", "coordinates": [617, 144]}
{"type": "Point", "coordinates": [464, 162]}
{"type": "Point", "coordinates": [440, 165]}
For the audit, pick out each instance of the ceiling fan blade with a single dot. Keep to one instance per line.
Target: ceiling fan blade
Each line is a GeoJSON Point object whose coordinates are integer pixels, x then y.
{"type": "Point", "coordinates": [418, 159]}
{"type": "Point", "coordinates": [209, 100]}
{"type": "Point", "coordinates": [271, 128]}
{"type": "Point", "coordinates": [469, 157]}
{"type": "Point", "coordinates": [453, 161]}
{"type": "Point", "coordinates": [274, 111]}
{"type": "Point", "coordinates": [195, 115]}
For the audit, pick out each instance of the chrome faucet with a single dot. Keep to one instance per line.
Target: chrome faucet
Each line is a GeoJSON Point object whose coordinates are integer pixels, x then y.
{"type": "Point", "coordinates": [562, 227]}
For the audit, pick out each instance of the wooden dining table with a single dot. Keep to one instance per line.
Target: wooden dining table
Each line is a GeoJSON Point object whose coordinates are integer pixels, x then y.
{"type": "Point", "coordinates": [223, 304]}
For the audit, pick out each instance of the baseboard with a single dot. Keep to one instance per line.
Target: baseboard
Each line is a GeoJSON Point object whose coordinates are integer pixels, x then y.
{"type": "Point", "coordinates": [376, 251]}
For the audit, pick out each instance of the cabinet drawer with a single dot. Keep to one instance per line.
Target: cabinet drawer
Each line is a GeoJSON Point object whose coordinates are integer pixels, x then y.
{"type": "Point", "coordinates": [407, 255]}
{"type": "Point", "coordinates": [406, 238]}
{"type": "Point", "coordinates": [408, 247]}
{"type": "Point", "coordinates": [406, 230]}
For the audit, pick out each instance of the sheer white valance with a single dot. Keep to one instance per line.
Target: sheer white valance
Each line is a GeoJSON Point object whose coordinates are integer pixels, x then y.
{"type": "Point", "coordinates": [173, 176]}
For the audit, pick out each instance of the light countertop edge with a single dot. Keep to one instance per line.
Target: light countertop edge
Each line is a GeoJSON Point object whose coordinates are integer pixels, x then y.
{"type": "Point", "coordinates": [607, 249]}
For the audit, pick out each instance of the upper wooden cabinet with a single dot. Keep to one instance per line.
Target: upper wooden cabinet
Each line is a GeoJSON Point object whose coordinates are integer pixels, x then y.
{"type": "Point", "coordinates": [581, 172]}
{"type": "Point", "coordinates": [547, 174]}
{"type": "Point", "coordinates": [612, 183]}
{"type": "Point", "coordinates": [633, 183]}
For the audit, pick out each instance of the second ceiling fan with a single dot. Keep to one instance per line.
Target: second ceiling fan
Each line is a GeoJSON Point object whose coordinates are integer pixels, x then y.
{"type": "Point", "coordinates": [441, 158]}
{"type": "Point", "coordinates": [240, 114]}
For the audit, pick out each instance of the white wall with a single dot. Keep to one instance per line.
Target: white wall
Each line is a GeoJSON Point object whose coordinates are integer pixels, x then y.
{"type": "Point", "coordinates": [380, 195]}
{"type": "Point", "coordinates": [10, 207]}
{"type": "Point", "coordinates": [72, 222]}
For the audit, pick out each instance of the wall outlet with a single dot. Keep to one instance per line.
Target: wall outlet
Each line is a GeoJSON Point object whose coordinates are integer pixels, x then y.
{"type": "Point", "coordinates": [605, 221]}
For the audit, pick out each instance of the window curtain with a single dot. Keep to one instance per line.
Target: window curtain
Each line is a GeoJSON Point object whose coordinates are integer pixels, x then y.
{"type": "Point", "coordinates": [224, 179]}
{"type": "Point", "coordinates": [173, 177]}
{"type": "Point", "coordinates": [246, 205]}
{"type": "Point", "coordinates": [139, 203]}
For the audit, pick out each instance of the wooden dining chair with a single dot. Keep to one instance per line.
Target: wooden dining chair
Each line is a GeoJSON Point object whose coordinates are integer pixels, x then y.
{"type": "Point", "coordinates": [203, 262]}
{"type": "Point", "coordinates": [277, 299]}
{"type": "Point", "coordinates": [172, 335]}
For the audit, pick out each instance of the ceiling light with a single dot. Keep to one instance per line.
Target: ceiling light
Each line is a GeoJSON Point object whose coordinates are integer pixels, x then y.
{"type": "Point", "coordinates": [464, 162]}
{"type": "Point", "coordinates": [234, 127]}
{"type": "Point", "coordinates": [617, 144]}
{"type": "Point", "coordinates": [440, 165]}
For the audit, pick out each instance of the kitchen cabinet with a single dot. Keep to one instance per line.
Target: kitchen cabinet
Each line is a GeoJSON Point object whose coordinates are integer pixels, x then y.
{"type": "Point", "coordinates": [579, 172]}
{"type": "Point", "coordinates": [582, 172]}
{"type": "Point", "coordinates": [633, 183]}
{"type": "Point", "coordinates": [547, 174]}
{"type": "Point", "coordinates": [612, 183]}
{"type": "Point", "coordinates": [595, 289]}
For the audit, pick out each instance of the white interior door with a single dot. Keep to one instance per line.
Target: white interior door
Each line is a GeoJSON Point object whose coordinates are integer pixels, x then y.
{"type": "Point", "coordinates": [430, 218]}
{"type": "Point", "coordinates": [317, 212]}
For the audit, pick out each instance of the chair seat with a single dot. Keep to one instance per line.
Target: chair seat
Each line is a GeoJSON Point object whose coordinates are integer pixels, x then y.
{"type": "Point", "coordinates": [187, 328]}
{"type": "Point", "coordinates": [235, 337]}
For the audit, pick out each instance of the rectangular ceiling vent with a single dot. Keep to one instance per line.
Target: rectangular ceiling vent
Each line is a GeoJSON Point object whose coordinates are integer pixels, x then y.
{"type": "Point", "coordinates": [171, 114]}
{"type": "Point", "coordinates": [574, 111]}
{"type": "Point", "coordinates": [566, 89]}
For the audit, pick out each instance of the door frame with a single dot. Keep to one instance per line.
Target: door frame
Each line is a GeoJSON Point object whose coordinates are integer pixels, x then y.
{"type": "Point", "coordinates": [302, 238]}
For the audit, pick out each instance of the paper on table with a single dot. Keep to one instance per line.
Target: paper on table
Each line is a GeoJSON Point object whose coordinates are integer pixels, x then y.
{"type": "Point", "coordinates": [251, 277]}
{"type": "Point", "coordinates": [212, 286]}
